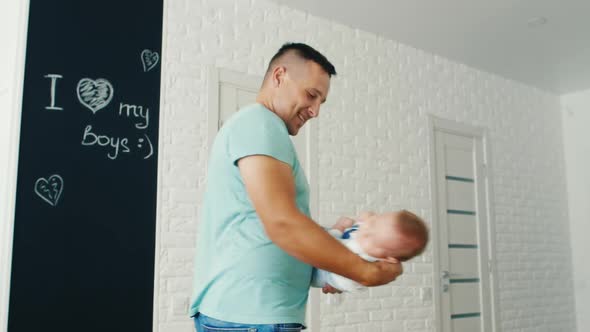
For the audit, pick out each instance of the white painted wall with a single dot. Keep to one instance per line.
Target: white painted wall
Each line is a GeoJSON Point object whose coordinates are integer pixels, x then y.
{"type": "Point", "coordinates": [576, 134]}
{"type": "Point", "coordinates": [373, 153]}
{"type": "Point", "coordinates": [13, 20]}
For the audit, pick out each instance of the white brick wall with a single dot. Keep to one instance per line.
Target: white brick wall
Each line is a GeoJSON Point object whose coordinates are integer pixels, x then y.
{"type": "Point", "coordinates": [373, 154]}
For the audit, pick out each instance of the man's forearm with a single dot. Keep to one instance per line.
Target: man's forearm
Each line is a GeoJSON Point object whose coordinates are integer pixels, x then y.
{"type": "Point", "coordinates": [271, 189]}
{"type": "Point", "coordinates": [305, 240]}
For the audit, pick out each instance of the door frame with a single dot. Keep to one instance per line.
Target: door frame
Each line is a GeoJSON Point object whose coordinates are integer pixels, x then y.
{"type": "Point", "coordinates": [216, 76]}
{"type": "Point", "coordinates": [485, 193]}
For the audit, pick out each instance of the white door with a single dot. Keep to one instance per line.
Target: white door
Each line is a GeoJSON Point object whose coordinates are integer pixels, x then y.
{"type": "Point", "coordinates": [228, 92]}
{"type": "Point", "coordinates": [464, 300]}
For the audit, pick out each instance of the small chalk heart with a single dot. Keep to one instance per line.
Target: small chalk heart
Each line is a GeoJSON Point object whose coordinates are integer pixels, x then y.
{"type": "Point", "coordinates": [149, 59]}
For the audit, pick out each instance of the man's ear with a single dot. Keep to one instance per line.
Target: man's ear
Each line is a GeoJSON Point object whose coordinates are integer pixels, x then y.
{"type": "Point", "coordinates": [278, 75]}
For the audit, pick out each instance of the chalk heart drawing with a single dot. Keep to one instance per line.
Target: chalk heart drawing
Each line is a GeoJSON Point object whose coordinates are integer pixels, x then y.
{"type": "Point", "coordinates": [94, 94]}
{"type": "Point", "coordinates": [149, 59]}
{"type": "Point", "coordinates": [50, 189]}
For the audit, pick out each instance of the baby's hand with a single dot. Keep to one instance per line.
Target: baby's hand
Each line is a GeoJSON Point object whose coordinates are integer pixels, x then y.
{"type": "Point", "coordinates": [328, 289]}
{"type": "Point", "coordinates": [343, 223]}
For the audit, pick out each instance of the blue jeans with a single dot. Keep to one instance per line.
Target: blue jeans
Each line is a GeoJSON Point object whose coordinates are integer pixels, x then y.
{"type": "Point", "coordinates": [207, 324]}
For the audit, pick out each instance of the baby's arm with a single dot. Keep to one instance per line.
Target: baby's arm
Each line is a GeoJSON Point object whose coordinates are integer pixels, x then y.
{"type": "Point", "coordinates": [343, 223]}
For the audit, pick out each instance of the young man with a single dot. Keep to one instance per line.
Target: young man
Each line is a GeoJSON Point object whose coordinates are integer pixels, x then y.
{"type": "Point", "coordinates": [257, 243]}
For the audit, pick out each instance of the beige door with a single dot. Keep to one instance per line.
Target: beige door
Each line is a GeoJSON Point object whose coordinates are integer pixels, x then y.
{"type": "Point", "coordinates": [464, 288]}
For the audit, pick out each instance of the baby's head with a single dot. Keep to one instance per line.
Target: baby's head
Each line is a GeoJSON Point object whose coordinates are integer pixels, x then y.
{"type": "Point", "coordinates": [401, 235]}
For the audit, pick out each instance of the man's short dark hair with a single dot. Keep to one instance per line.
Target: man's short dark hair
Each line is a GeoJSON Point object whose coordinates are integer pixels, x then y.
{"type": "Point", "coordinates": [307, 52]}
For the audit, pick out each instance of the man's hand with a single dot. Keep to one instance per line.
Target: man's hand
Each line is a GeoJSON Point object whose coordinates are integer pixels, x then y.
{"type": "Point", "coordinates": [381, 273]}
{"type": "Point", "coordinates": [343, 223]}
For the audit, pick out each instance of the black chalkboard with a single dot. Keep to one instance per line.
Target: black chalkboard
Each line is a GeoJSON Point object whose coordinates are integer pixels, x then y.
{"type": "Point", "coordinates": [85, 217]}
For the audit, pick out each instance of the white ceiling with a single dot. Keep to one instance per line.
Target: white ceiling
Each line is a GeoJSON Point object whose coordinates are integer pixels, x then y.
{"type": "Point", "coordinates": [492, 35]}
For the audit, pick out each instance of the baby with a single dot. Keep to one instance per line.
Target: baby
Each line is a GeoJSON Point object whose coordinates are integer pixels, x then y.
{"type": "Point", "coordinates": [393, 236]}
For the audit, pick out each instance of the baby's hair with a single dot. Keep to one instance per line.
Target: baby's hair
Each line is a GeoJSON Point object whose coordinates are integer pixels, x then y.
{"type": "Point", "coordinates": [412, 226]}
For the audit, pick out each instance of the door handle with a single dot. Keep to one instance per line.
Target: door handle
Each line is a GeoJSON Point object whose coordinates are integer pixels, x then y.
{"type": "Point", "coordinates": [446, 279]}
{"type": "Point", "coordinates": [449, 275]}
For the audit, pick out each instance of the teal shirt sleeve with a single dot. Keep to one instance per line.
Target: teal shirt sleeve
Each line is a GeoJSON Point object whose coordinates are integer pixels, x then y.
{"type": "Point", "coordinates": [261, 133]}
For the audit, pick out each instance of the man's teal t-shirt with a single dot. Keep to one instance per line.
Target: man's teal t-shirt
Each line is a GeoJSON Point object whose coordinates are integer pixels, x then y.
{"type": "Point", "coordinates": [240, 274]}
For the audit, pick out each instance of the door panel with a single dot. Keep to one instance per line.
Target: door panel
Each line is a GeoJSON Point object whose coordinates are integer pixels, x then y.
{"type": "Point", "coordinates": [462, 228]}
{"type": "Point", "coordinates": [465, 295]}
{"type": "Point", "coordinates": [466, 324]}
{"type": "Point", "coordinates": [461, 196]}
{"type": "Point", "coordinates": [463, 262]}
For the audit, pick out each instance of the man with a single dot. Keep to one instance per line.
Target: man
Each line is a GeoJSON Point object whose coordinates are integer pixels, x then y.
{"type": "Point", "coordinates": [257, 243]}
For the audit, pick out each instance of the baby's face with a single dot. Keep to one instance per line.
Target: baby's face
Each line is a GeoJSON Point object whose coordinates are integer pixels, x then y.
{"type": "Point", "coordinates": [381, 238]}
